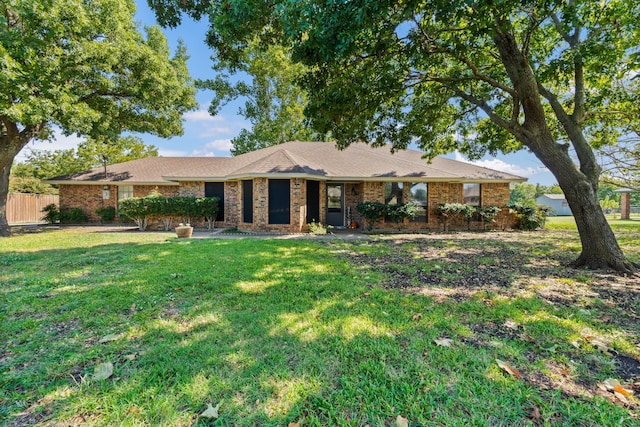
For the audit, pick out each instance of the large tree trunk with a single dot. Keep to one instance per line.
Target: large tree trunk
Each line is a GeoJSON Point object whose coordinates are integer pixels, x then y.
{"type": "Point", "coordinates": [4, 190]}
{"type": "Point", "coordinates": [12, 140]}
{"type": "Point", "coordinates": [600, 248]}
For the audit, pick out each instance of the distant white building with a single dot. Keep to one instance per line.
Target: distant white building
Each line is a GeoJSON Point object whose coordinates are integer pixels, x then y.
{"type": "Point", "coordinates": [556, 202]}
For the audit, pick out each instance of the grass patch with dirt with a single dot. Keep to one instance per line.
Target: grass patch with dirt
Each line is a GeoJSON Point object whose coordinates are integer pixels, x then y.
{"type": "Point", "coordinates": [440, 329]}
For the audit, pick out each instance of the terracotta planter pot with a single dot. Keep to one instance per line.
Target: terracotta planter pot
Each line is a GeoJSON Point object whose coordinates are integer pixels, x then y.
{"type": "Point", "coordinates": [184, 231]}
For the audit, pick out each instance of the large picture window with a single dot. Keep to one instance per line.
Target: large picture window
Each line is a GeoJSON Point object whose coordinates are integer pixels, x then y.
{"type": "Point", "coordinates": [279, 201]}
{"type": "Point", "coordinates": [418, 196]}
{"type": "Point", "coordinates": [471, 194]}
{"type": "Point", "coordinates": [393, 193]}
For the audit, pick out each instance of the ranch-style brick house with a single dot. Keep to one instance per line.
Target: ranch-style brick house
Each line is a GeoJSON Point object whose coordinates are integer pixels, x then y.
{"type": "Point", "coordinates": [284, 188]}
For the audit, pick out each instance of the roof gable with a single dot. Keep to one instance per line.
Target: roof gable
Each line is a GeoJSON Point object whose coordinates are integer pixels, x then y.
{"type": "Point", "coordinates": [322, 160]}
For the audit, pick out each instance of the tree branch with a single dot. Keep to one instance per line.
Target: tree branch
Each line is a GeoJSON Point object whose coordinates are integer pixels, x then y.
{"type": "Point", "coordinates": [588, 163]}
{"type": "Point", "coordinates": [514, 128]}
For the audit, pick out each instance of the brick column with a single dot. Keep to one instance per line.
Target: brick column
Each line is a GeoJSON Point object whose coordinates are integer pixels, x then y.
{"type": "Point", "coordinates": [625, 205]}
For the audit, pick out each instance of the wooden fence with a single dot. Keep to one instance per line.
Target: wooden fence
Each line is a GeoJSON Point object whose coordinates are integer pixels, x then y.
{"type": "Point", "coordinates": [25, 208]}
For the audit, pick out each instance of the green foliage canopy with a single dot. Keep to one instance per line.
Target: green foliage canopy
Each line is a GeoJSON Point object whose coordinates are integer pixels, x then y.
{"type": "Point", "coordinates": [90, 154]}
{"type": "Point", "coordinates": [477, 76]}
{"type": "Point", "coordinates": [274, 104]}
{"type": "Point", "coordinates": [86, 68]}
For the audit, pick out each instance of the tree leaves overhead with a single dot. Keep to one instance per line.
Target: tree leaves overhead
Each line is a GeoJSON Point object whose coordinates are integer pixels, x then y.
{"type": "Point", "coordinates": [86, 68]}
{"type": "Point", "coordinates": [90, 71]}
{"type": "Point", "coordinates": [274, 104]}
{"type": "Point", "coordinates": [477, 76]}
{"type": "Point", "coordinates": [90, 154]}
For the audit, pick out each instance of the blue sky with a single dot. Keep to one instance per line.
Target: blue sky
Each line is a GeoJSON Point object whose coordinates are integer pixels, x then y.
{"type": "Point", "coordinates": [210, 136]}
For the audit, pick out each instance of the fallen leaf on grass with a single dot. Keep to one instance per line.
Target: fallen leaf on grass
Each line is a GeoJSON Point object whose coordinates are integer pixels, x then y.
{"type": "Point", "coordinates": [618, 389]}
{"type": "Point", "coordinates": [417, 316]}
{"type": "Point", "coordinates": [623, 391]}
{"type": "Point", "coordinates": [510, 324]}
{"type": "Point", "coordinates": [102, 371]}
{"type": "Point", "coordinates": [603, 347]}
{"type": "Point", "coordinates": [443, 342]}
{"type": "Point", "coordinates": [294, 425]}
{"type": "Point", "coordinates": [402, 421]}
{"type": "Point", "coordinates": [134, 410]}
{"type": "Point", "coordinates": [109, 338]}
{"type": "Point", "coordinates": [211, 411]}
{"type": "Point", "coordinates": [130, 357]}
{"type": "Point", "coordinates": [535, 413]}
{"type": "Point", "coordinates": [615, 385]}
{"type": "Point", "coordinates": [509, 369]}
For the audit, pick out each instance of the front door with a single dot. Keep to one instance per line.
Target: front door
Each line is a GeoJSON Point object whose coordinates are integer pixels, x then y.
{"type": "Point", "coordinates": [335, 205]}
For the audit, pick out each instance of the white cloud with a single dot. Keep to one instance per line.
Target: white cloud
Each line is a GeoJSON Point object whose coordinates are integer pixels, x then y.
{"type": "Point", "coordinates": [202, 115]}
{"type": "Point", "coordinates": [221, 145]}
{"type": "Point", "coordinates": [216, 148]}
{"type": "Point", "coordinates": [206, 126]}
{"type": "Point", "coordinates": [502, 166]}
{"type": "Point", "coordinates": [163, 152]}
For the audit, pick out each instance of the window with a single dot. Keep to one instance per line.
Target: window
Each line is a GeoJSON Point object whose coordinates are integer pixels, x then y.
{"type": "Point", "coordinates": [125, 192]}
{"type": "Point", "coordinates": [247, 202]}
{"type": "Point", "coordinates": [313, 201]}
{"type": "Point", "coordinates": [471, 194]}
{"type": "Point", "coordinates": [279, 201]}
{"type": "Point", "coordinates": [216, 189]}
{"type": "Point", "coordinates": [393, 193]}
{"type": "Point", "coordinates": [418, 195]}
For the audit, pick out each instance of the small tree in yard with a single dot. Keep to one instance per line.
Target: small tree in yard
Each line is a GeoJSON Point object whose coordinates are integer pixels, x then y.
{"type": "Point", "coordinates": [488, 215]}
{"type": "Point", "coordinates": [476, 76]}
{"type": "Point", "coordinates": [449, 212]}
{"type": "Point", "coordinates": [84, 67]}
{"type": "Point", "coordinates": [207, 207]}
{"type": "Point", "coordinates": [138, 209]}
{"type": "Point", "coordinates": [371, 211]}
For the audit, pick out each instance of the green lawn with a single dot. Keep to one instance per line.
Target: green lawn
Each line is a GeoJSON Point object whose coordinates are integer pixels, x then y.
{"type": "Point", "coordinates": [273, 332]}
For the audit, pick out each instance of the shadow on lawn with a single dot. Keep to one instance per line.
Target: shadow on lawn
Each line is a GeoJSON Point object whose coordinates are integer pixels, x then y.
{"type": "Point", "coordinates": [283, 331]}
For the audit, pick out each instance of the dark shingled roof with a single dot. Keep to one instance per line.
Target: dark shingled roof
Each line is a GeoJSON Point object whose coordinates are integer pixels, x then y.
{"type": "Point", "coordinates": [319, 160]}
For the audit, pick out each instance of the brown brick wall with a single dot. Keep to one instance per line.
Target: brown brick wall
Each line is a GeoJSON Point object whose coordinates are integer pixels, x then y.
{"type": "Point", "coordinates": [86, 197]}
{"type": "Point", "coordinates": [89, 198]}
{"type": "Point", "coordinates": [191, 188]}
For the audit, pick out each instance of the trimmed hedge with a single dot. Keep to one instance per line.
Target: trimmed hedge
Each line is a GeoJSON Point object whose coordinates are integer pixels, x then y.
{"type": "Point", "coordinates": [141, 209]}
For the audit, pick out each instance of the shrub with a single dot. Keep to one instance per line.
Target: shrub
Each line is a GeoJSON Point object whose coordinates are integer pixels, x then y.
{"type": "Point", "coordinates": [207, 207]}
{"type": "Point", "coordinates": [488, 214]}
{"type": "Point", "coordinates": [318, 228]}
{"type": "Point", "coordinates": [529, 217]}
{"type": "Point", "coordinates": [449, 212]}
{"type": "Point", "coordinates": [73, 216]}
{"type": "Point", "coordinates": [371, 211]}
{"type": "Point", "coordinates": [138, 209]}
{"type": "Point", "coordinates": [106, 214]}
{"type": "Point", "coordinates": [51, 214]}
